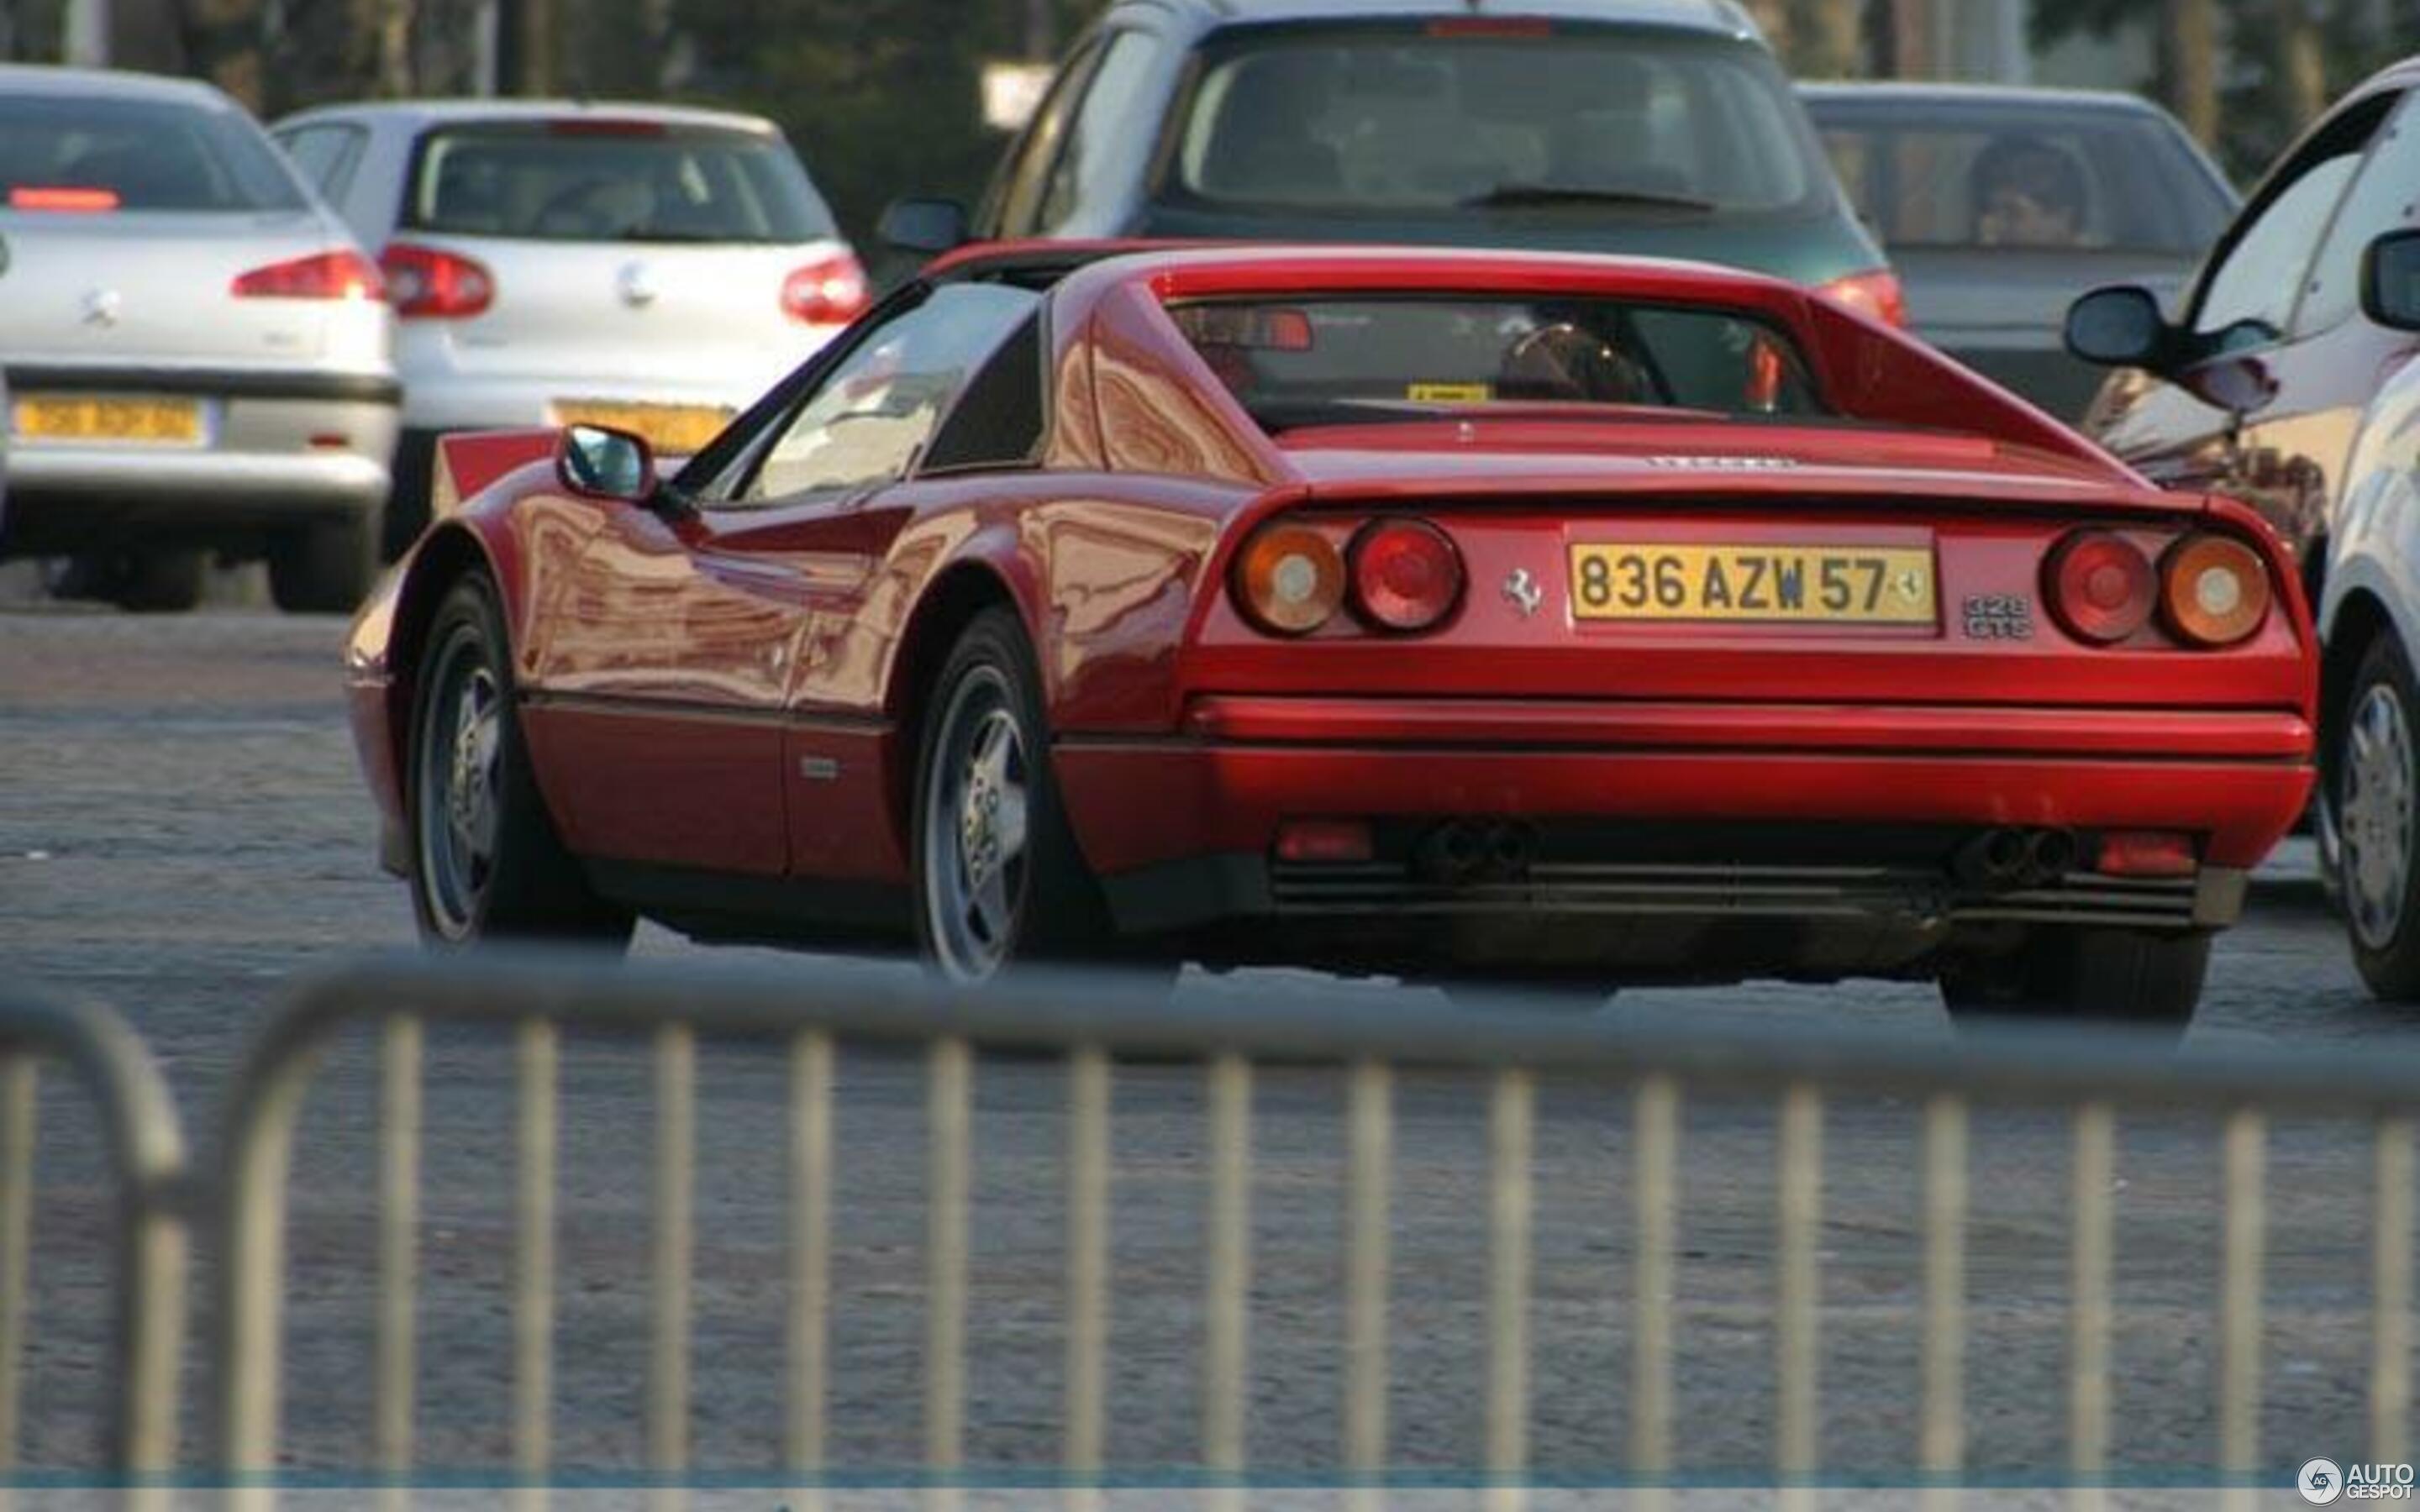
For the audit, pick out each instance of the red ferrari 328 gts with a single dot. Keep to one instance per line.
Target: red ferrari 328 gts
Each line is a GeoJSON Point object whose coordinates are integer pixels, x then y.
{"type": "Point", "coordinates": [1564, 619]}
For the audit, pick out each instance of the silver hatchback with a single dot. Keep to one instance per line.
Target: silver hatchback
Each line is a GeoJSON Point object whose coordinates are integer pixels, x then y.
{"type": "Point", "coordinates": [199, 354]}
{"type": "Point", "coordinates": [650, 266]}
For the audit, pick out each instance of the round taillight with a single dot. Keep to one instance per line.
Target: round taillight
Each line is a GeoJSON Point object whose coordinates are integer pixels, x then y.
{"type": "Point", "coordinates": [1289, 579]}
{"type": "Point", "coordinates": [2213, 590]}
{"type": "Point", "coordinates": [2101, 586]}
{"type": "Point", "coordinates": [1407, 575]}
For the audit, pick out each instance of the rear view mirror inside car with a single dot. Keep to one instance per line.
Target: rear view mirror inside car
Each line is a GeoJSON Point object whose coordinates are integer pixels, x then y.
{"type": "Point", "coordinates": [928, 226]}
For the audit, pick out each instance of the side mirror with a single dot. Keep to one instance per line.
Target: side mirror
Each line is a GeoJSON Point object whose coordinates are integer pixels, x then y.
{"type": "Point", "coordinates": [597, 462]}
{"type": "Point", "coordinates": [2390, 280]}
{"type": "Point", "coordinates": [2117, 326]}
{"type": "Point", "coordinates": [930, 226]}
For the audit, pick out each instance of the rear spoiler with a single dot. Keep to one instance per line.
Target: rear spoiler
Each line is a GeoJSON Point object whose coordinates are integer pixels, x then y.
{"type": "Point", "coordinates": [468, 462]}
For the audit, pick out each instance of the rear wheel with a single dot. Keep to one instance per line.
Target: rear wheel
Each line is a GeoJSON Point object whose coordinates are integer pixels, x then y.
{"type": "Point", "coordinates": [486, 861]}
{"type": "Point", "coordinates": [2115, 975]}
{"type": "Point", "coordinates": [326, 568]}
{"type": "Point", "coordinates": [998, 876]}
{"type": "Point", "coordinates": [2376, 814]}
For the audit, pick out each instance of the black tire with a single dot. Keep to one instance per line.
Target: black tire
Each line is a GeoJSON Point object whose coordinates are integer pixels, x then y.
{"type": "Point", "coordinates": [166, 580]}
{"type": "Point", "coordinates": [988, 703]}
{"type": "Point", "coordinates": [326, 568]}
{"type": "Point", "coordinates": [491, 867]}
{"type": "Point", "coordinates": [2375, 771]}
{"type": "Point", "coordinates": [2112, 974]}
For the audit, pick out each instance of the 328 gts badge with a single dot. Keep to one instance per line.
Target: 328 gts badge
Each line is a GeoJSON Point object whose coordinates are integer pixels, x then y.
{"type": "Point", "coordinates": [1998, 616]}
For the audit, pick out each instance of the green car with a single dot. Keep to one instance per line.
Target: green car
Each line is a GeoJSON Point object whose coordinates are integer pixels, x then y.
{"type": "Point", "coordinates": [1658, 128]}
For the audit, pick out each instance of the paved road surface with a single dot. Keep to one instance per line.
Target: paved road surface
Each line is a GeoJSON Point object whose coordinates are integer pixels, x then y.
{"type": "Point", "coordinates": [181, 833]}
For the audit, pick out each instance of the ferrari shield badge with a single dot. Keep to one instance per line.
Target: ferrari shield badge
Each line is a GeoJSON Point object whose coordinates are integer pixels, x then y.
{"type": "Point", "coordinates": [1521, 589]}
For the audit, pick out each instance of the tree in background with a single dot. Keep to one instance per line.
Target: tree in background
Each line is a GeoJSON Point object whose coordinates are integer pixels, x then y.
{"type": "Point", "coordinates": [879, 97]}
{"type": "Point", "coordinates": [2246, 76]}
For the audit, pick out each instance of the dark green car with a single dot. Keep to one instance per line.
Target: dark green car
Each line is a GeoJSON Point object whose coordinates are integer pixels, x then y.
{"type": "Point", "coordinates": [1659, 128]}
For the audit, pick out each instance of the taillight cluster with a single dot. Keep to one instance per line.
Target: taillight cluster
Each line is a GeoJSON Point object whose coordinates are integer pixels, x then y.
{"type": "Point", "coordinates": [427, 284]}
{"type": "Point", "coordinates": [1396, 573]}
{"type": "Point", "coordinates": [2206, 589]}
{"type": "Point", "coordinates": [1876, 292]}
{"type": "Point", "coordinates": [830, 291]}
{"type": "Point", "coordinates": [325, 275]}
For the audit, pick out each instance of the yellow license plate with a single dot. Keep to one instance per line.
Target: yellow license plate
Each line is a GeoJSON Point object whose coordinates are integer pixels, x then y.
{"type": "Point", "coordinates": [1817, 584]}
{"type": "Point", "coordinates": [97, 418]}
{"type": "Point", "coordinates": [674, 429]}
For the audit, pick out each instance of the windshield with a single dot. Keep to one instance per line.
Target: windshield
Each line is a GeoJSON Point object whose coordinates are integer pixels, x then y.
{"type": "Point", "coordinates": [1927, 174]}
{"type": "Point", "coordinates": [1305, 362]}
{"type": "Point", "coordinates": [1580, 120]}
{"type": "Point", "coordinates": [65, 152]}
{"type": "Point", "coordinates": [589, 180]}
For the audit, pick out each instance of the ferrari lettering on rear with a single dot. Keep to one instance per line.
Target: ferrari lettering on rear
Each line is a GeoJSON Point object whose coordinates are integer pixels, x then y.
{"type": "Point", "coordinates": [1883, 585]}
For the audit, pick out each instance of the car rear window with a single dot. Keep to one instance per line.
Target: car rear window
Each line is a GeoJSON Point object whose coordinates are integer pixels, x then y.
{"type": "Point", "coordinates": [1321, 360]}
{"type": "Point", "coordinates": [584, 181]}
{"type": "Point", "coordinates": [1925, 175]}
{"type": "Point", "coordinates": [64, 152]}
{"type": "Point", "coordinates": [1469, 114]}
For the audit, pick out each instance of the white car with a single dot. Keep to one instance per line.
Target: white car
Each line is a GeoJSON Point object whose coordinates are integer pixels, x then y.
{"type": "Point", "coordinates": [647, 266]}
{"type": "Point", "coordinates": [2369, 624]}
{"type": "Point", "coordinates": [199, 355]}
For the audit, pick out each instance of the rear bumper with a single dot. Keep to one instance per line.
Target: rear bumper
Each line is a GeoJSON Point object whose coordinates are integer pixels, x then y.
{"type": "Point", "coordinates": [1182, 831]}
{"type": "Point", "coordinates": [62, 498]}
{"type": "Point", "coordinates": [279, 448]}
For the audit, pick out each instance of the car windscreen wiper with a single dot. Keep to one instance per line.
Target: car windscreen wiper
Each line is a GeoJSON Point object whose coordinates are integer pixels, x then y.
{"type": "Point", "coordinates": [1517, 193]}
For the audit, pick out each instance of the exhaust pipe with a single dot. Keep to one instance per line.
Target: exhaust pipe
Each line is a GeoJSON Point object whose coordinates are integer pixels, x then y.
{"type": "Point", "coordinates": [2050, 854]}
{"type": "Point", "coordinates": [1448, 853]}
{"type": "Point", "coordinates": [1509, 850]}
{"type": "Point", "coordinates": [1995, 859]}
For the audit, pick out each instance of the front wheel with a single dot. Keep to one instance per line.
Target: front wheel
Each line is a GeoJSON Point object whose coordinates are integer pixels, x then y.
{"type": "Point", "coordinates": [2376, 781]}
{"type": "Point", "coordinates": [486, 861]}
{"type": "Point", "coordinates": [998, 876]}
{"type": "Point", "coordinates": [2112, 975]}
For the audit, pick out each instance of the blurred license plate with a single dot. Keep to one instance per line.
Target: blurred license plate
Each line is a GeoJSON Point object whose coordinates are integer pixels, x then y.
{"type": "Point", "coordinates": [1821, 584]}
{"type": "Point", "coordinates": [93, 418]}
{"type": "Point", "coordinates": [674, 429]}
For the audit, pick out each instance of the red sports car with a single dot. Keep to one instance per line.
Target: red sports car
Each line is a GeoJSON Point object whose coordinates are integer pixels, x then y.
{"type": "Point", "coordinates": [1568, 619]}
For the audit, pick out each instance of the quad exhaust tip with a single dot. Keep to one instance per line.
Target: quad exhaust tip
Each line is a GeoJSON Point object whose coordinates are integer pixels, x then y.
{"type": "Point", "coordinates": [2008, 858]}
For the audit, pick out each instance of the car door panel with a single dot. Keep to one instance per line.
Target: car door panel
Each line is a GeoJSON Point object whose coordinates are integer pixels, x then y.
{"type": "Point", "coordinates": [664, 713]}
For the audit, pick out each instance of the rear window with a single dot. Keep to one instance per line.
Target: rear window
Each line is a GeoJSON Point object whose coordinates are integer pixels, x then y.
{"type": "Point", "coordinates": [1579, 118]}
{"type": "Point", "coordinates": [1321, 360]}
{"type": "Point", "coordinates": [612, 182]}
{"type": "Point", "coordinates": [1923, 176]}
{"type": "Point", "coordinates": [62, 152]}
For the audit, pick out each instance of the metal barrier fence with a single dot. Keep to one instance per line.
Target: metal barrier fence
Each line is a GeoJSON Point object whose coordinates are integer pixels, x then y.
{"type": "Point", "coordinates": [2086, 1076]}
{"type": "Point", "coordinates": [145, 1154]}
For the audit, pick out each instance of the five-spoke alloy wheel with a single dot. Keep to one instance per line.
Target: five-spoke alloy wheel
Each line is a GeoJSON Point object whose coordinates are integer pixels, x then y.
{"type": "Point", "coordinates": [486, 861]}
{"type": "Point", "coordinates": [2375, 785]}
{"type": "Point", "coordinates": [997, 877]}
